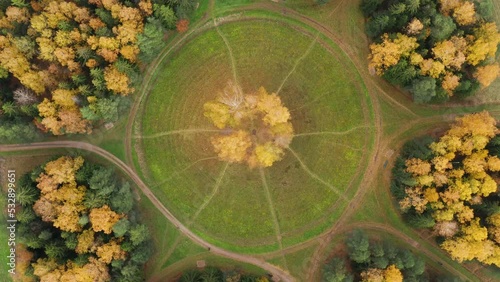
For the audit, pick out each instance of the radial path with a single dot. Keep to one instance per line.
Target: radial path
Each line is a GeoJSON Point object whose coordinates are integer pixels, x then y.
{"type": "Point", "coordinates": [298, 62]}
{"type": "Point", "coordinates": [273, 212]}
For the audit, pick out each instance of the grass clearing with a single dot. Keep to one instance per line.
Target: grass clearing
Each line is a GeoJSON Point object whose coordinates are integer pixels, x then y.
{"type": "Point", "coordinates": [304, 187]}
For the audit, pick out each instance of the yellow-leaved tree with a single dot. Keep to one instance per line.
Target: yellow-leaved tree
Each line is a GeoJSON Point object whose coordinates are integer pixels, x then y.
{"type": "Point", "coordinates": [255, 128]}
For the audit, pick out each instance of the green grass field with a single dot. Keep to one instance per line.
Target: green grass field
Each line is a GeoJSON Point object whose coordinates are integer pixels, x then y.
{"type": "Point", "coordinates": [228, 205]}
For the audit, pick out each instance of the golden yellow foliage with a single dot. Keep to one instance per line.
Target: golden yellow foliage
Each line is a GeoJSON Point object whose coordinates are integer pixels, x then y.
{"type": "Point", "coordinates": [130, 52]}
{"type": "Point", "coordinates": [389, 52]}
{"type": "Point", "coordinates": [414, 198]}
{"type": "Point", "coordinates": [393, 274]}
{"type": "Point", "coordinates": [110, 251]}
{"type": "Point", "coordinates": [116, 81]}
{"type": "Point", "coordinates": [103, 219]}
{"type": "Point", "coordinates": [86, 242]}
{"type": "Point", "coordinates": [487, 74]}
{"type": "Point", "coordinates": [450, 82]}
{"type": "Point", "coordinates": [432, 68]}
{"type": "Point", "coordinates": [474, 231]}
{"type": "Point", "coordinates": [268, 153]}
{"type": "Point", "coordinates": [431, 195]}
{"type": "Point", "coordinates": [271, 105]}
{"type": "Point", "coordinates": [417, 167]}
{"type": "Point", "coordinates": [448, 5]}
{"type": "Point", "coordinates": [465, 14]}
{"type": "Point", "coordinates": [485, 44]}
{"type": "Point", "coordinates": [233, 147]}
{"type": "Point", "coordinates": [218, 113]}
{"type": "Point", "coordinates": [416, 59]}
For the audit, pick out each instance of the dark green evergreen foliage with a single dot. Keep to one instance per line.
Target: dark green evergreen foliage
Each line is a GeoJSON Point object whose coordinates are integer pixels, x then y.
{"type": "Point", "coordinates": [93, 200]}
{"type": "Point", "coordinates": [401, 74]}
{"type": "Point", "coordinates": [423, 89]}
{"type": "Point", "coordinates": [380, 255]}
{"type": "Point", "coordinates": [376, 25]}
{"type": "Point", "coordinates": [17, 131]}
{"type": "Point", "coordinates": [27, 194]}
{"type": "Point", "coordinates": [335, 271]}
{"type": "Point", "coordinates": [467, 88]}
{"type": "Point", "coordinates": [416, 148]}
{"type": "Point", "coordinates": [416, 220]}
{"type": "Point", "coordinates": [106, 17]}
{"type": "Point", "coordinates": [122, 199]}
{"type": "Point", "coordinates": [358, 247]}
{"type": "Point", "coordinates": [121, 227]}
{"type": "Point", "coordinates": [26, 215]}
{"type": "Point", "coordinates": [211, 274]}
{"type": "Point", "coordinates": [103, 181]}
{"type": "Point", "coordinates": [46, 241]}
{"type": "Point", "coordinates": [141, 253]}
{"type": "Point", "coordinates": [442, 27]}
{"type": "Point", "coordinates": [105, 109]}
{"type": "Point", "coordinates": [166, 15]}
{"type": "Point", "coordinates": [494, 146]}
{"type": "Point", "coordinates": [85, 172]}
{"type": "Point", "coordinates": [185, 8]}
{"type": "Point", "coordinates": [151, 40]}
{"type": "Point", "coordinates": [485, 9]}
{"type": "Point", "coordinates": [368, 7]}
{"type": "Point", "coordinates": [138, 234]}
{"type": "Point", "coordinates": [191, 276]}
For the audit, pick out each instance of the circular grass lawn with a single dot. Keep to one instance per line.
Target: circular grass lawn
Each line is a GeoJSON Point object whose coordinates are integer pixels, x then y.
{"type": "Point", "coordinates": [259, 209]}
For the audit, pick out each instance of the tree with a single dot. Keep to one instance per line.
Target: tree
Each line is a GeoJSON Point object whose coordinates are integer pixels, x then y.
{"type": "Point", "coordinates": [182, 25]}
{"type": "Point", "coordinates": [233, 147]}
{"type": "Point", "coordinates": [138, 234]}
{"type": "Point", "coordinates": [24, 96]}
{"type": "Point", "coordinates": [423, 89]}
{"type": "Point", "coordinates": [487, 74]}
{"type": "Point", "coordinates": [358, 247]}
{"type": "Point", "coordinates": [372, 275]}
{"type": "Point", "coordinates": [103, 219]}
{"type": "Point", "coordinates": [166, 15]}
{"type": "Point", "coordinates": [465, 14]}
{"type": "Point", "coordinates": [121, 227]}
{"type": "Point", "coordinates": [485, 44]}
{"type": "Point", "coordinates": [389, 52]}
{"type": "Point", "coordinates": [393, 274]}
{"type": "Point", "coordinates": [442, 27]}
{"type": "Point", "coordinates": [335, 271]}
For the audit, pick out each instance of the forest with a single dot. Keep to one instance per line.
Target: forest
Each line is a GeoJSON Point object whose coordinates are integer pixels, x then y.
{"type": "Point", "coordinates": [370, 260]}
{"type": "Point", "coordinates": [78, 222]}
{"type": "Point", "coordinates": [451, 185]}
{"type": "Point", "coordinates": [435, 49]}
{"type": "Point", "coordinates": [211, 273]}
{"type": "Point", "coordinates": [67, 66]}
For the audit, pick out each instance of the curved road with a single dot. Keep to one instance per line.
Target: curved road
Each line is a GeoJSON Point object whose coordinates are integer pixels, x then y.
{"type": "Point", "coordinates": [277, 273]}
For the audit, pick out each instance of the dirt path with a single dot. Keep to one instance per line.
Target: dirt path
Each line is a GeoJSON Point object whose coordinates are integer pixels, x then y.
{"type": "Point", "coordinates": [275, 271]}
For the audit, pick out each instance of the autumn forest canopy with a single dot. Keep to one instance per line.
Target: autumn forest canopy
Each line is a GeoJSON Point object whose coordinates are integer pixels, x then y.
{"type": "Point", "coordinates": [67, 65]}
{"type": "Point", "coordinates": [78, 223]}
{"type": "Point", "coordinates": [435, 49]}
{"type": "Point", "coordinates": [451, 185]}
